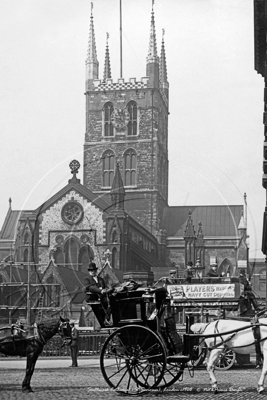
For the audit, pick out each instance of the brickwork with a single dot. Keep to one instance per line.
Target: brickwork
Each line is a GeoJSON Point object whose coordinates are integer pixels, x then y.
{"type": "Point", "coordinates": [51, 223]}
{"type": "Point", "coordinates": [151, 152]}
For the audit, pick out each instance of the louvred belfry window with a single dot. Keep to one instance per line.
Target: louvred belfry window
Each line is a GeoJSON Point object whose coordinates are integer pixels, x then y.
{"type": "Point", "coordinates": [108, 127]}
{"type": "Point", "coordinates": [108, 168]}
{"type": "Point", "coordinates": [132, 124]}
{"type": "Point", "coordinates": [130, 168]}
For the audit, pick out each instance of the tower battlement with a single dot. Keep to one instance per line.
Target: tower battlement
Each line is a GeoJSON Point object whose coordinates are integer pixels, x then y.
{"type": "Point", "coordinates": [108, 84]}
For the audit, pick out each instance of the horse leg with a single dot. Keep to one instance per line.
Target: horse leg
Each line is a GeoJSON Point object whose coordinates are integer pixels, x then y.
{"type": "Point", "coordinates": [213, 357]}
{"type": "Point", "coordinates": [31, 361]}
{"type": "Point", "coordinates": [264, 369]}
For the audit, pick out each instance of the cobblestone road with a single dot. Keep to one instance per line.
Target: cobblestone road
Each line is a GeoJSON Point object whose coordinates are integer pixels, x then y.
{"type": "Point", "coordinates": [88, 383]}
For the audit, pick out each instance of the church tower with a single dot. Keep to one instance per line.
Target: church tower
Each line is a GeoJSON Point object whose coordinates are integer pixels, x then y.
{"type": "Point", "coordinates": [127, 123]}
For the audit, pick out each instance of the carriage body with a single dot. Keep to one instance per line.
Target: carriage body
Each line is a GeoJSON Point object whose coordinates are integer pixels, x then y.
{"type": "Point", "coordinates": [144, 349]}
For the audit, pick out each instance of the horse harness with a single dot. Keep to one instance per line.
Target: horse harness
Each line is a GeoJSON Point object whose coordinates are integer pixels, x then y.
{"type": "Point", "coordinates": [216, 330]}
{"type": "Point", "coordinates": [255, 325]}
{"type": "Point", "coordinates": [257, 336]}
{"type": "Point", "coordinates": [37, 335]}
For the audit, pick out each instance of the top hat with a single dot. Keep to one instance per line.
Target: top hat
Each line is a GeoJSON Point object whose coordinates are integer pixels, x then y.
{"type": "Point", "coordinates": [92, 266]}
{"type": "Point", "coordinates": [173, 271]}
{"type": "Point", "coordinates": [213, 265]}
{"type": "Point", "coordinates": [190, 264]}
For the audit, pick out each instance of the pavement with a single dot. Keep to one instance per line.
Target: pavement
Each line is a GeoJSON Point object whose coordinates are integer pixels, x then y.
{"type": "Point", "coordinates": [65, 362]}
{"type": "Point", "coordinates": [47, 363]}
{"type": "Point", "coordinates": [53, 379]}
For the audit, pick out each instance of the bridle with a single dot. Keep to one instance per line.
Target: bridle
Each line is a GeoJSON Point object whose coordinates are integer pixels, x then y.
{"type": "Point", "coordinates": [63, 327]}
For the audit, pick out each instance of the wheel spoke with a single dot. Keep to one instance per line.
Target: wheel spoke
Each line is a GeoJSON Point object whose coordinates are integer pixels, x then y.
{"type": "Point", "coordinates": [134, 368]}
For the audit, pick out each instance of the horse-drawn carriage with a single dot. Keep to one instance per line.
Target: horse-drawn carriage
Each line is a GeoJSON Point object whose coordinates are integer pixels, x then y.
{"type": "Point", "coordinates": [145, 352]}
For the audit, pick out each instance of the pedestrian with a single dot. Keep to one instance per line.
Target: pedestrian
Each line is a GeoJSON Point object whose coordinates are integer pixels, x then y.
{"type": "Point", "coordinates": [213, 273]}
{"type": "Point", "coordinates": [248, 293]}
{"type": "Point", "coordinates": [188, 274]}
{"type": "Point", "coordinates": [74, 345]}
{"type": "Point", "coordinates": [97, 295]}
{"type": "Point", "coordinates": [172, 278]}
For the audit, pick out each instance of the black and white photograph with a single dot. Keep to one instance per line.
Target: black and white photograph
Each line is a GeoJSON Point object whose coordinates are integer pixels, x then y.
{"type": "Point", "coordinates": [133, 211]}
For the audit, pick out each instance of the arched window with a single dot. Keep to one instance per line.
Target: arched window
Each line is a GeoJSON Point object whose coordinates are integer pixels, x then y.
{"type": "Point", "coordinates": [59, 256]}
{"type": "Point", "coordinates": [132, 124]}
{"type": "Point", "coordinates": [26, 238]}
{"type": "Point", "coordinates": [108, 168]}
{"type": "Point", "coordinates": [84, 258]}
{"type": "Point", "coordinates": [52, 293]}
{"type": "Point", "coordinates": [114, 259]}
{"type": "Point", "coordinates": [25, 255]}
{"type": "Point", "coordinates": [114, 237]}
{"type": "Point", "coordinates": [108, 127]}
{"type": "Point", "coordinates": [130, 168]}
{"type": "Point", "coordinates": [71, 253]}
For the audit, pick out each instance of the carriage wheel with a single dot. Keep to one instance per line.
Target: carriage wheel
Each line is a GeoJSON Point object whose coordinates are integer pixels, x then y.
{"type": "Point", "coordinates": [133, 360]}
{"type": "Point", "coordinates": [226, 360]}
{"type": "Point", "coordinates": [173, 372]}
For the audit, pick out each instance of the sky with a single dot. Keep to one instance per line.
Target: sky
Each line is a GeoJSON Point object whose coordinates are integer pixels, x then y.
{"type": "Point", "coordinates": [216, 96]}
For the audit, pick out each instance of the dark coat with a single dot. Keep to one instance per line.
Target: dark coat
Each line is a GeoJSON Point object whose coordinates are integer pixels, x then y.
{"type": "Point", "coordinates": [188, 274]}
{"type": "Point", "coordinates": [245, 282]}
{"type": "Point", "coordinates": [74, 337]}
{"type": "Point", "coordinates": [93, 289]}
{"type": "Point", "coordinates": [212, 274]}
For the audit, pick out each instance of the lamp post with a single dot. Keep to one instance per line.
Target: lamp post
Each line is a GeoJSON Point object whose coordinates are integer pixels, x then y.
{"type": "Point", "coordinates": [28, 289]}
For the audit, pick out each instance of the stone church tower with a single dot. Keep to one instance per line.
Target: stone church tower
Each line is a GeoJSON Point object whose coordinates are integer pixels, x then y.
{"type": "Point", "coordinates": [127, 123]}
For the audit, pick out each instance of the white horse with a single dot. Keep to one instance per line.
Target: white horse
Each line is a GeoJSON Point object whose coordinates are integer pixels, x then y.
{"type": "Point", "coordinates": [236, 335]}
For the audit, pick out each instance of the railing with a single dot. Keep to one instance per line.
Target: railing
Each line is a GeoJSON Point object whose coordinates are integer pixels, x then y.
{"type": "Point", "coordinates": [89, 344]}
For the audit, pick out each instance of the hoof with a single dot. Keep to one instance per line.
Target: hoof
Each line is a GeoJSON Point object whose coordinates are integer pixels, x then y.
{"type": "Point", "coordinates": [27, 390]}
{"type": "Point", "coordinates": [215, 390]}
{"type": "Point", "coordinates": [260, 389]}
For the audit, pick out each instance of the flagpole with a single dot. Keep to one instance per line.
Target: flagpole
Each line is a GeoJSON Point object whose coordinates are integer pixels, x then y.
{"type": "Point", "coordinates": [120, 40]}
{"type": "Point", "coordinates": [28, 318]}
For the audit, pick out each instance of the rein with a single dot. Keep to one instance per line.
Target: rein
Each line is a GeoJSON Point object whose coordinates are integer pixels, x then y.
{"type": "Point", "coordinates": [233, 333]}
{"type": "Point", "coordinates": [236, 347]}
{"type": "Point", "coordinates": [193, 335]}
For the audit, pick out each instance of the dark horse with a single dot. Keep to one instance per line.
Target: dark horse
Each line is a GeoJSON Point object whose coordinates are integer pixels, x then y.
{"type": "Point", "coordinates": [25, 344]}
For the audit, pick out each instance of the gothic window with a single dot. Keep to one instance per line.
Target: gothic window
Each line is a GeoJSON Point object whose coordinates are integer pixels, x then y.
{"type": "Point", "coordinates": [108, 127]}
{"type": "Point", "coordinates": [52, 293]}
{"type": "Point", "coordinates": [26, 238]}
{"type": "Point", "coordinates": [59, 256]}
{"type": "Point", "coordinates": [114, 237]}
{"type": "Point", "coordinates": [71, 253]}
{"type": "Point", "coordinates": [130, 161]}
{"type": "Point", "coordinates": [25, 255]}
{"type": "Point", "coordinates": [132, 124]}
{"type": "Point", "coordinates": [108, 168]}
{"type": "Point", "coordinates": [85, 257]}
{"type": "Point", "coordinates": [115, 259]}
{"type": "Point", "coordinates": [72, 212]}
